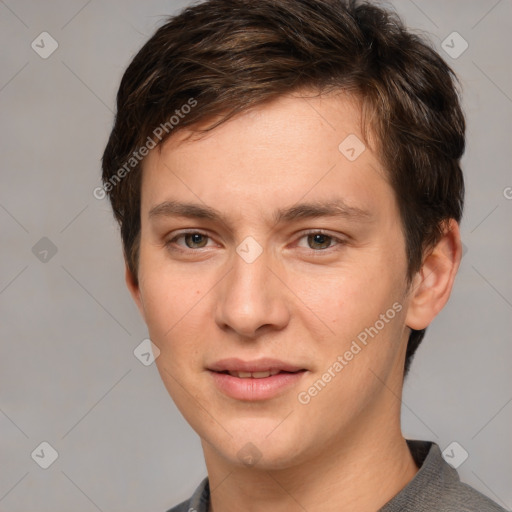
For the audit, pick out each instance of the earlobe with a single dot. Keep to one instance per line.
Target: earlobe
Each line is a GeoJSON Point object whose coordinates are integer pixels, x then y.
{"type": "Point", "coordinates": [134, 288]}
{"type": "Point", "coordinates": [433, 283]}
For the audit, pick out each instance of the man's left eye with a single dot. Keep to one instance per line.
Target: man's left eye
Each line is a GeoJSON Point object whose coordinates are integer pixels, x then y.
{"type": "Point", "coordinates": [319, 241]}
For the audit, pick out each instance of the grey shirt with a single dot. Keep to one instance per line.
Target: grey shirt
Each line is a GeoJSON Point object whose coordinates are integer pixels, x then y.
{"type": "Point", "coordinates": [436, 487]}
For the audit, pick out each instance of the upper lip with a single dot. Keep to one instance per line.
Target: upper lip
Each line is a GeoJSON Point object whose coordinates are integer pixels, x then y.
{"type": "Point", "coordinates": [258, 365]}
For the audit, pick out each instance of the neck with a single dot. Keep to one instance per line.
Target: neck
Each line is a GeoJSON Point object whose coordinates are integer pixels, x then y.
{"type": "Point", "coordinates": [362, 473]}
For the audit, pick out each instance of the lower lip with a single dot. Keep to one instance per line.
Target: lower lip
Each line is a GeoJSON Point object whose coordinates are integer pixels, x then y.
{"type": "Point", "coordinates": [255, 389]}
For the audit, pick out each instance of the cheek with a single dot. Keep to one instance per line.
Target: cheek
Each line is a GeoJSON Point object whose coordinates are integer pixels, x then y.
{"type": "Point", "coordinates": [349, 296]}
{"type": "Point", "coordinates": [167, 293]}
{"type": "Point", "coordinates": [165, 316]}
{"type": "Point", "coordinates": [175, 306]}
{"type": "Point", "coordinates": [363, 308]}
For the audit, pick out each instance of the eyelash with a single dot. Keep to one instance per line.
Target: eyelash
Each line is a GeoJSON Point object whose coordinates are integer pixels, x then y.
{"type": "Point", "coordinates": [170, 244]}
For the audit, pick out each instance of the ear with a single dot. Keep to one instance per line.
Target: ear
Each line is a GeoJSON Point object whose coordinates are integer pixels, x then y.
{"type": "Point", "coordinates": [432, 284]}
{"type": "Point", "coordinates": [133, 287]}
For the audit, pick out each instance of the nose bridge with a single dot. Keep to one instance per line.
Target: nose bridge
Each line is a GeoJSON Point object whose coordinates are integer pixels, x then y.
{"type": "Point", "coordinates": [249, 297]}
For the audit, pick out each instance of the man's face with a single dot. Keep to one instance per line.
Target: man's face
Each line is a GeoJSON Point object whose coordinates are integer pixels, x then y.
{"type": "Point", "coordinates": [306, 291]}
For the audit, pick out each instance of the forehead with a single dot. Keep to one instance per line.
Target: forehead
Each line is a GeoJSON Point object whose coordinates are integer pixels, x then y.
{"type": "Point", "coordinates": [297, 146]}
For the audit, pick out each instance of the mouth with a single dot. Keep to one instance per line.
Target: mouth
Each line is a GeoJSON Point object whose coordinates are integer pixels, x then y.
{"type": "Point", "coordinates": [256, 375]}
{"type": "Point", "coordinates": [255, 380]}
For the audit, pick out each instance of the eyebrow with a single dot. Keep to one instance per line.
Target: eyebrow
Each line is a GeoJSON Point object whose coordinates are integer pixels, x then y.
{"type": "Point", "coordinates": [336, 208]}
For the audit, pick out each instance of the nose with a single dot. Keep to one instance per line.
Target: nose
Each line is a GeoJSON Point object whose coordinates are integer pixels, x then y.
{"type": "Point", "coordinates": [252, 299]}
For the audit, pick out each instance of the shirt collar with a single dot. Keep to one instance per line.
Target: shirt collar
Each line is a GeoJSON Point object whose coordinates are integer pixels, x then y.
{"type": "Point", "coordinates": [424, 491]}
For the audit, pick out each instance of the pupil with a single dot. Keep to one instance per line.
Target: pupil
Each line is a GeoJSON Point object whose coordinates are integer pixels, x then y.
{"type": "Point", "coordinates": [195, 238]}
{"type": "Point", "coordinates": [322, 240]}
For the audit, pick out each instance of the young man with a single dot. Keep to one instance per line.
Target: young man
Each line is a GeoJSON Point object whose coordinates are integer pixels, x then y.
{"type": "Point", "coordinates": [286, 175]}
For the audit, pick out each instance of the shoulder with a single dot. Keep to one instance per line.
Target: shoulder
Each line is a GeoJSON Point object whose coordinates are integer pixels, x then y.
{"type": "Point", "coordinates": [461, 497]}
{"type": "Point", "coordinates": [436, 487]}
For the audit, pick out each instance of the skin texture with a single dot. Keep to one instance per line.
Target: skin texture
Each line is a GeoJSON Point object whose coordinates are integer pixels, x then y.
{"type": "Point", "coordinates": [298, 302]}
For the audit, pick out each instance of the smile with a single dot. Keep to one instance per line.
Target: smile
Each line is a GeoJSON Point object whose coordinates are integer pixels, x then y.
{"type": "Point", "coordinates": [253, 375]}
{"type": "Point", "coordinates": [256, 380]}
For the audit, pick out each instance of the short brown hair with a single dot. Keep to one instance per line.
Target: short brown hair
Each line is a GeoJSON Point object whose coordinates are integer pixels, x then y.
{"type": "Point", "coordinates": [226, 56]}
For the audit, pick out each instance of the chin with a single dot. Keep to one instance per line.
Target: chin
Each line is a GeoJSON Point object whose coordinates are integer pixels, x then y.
{"type": "Point", "coordinates": [254, 447]}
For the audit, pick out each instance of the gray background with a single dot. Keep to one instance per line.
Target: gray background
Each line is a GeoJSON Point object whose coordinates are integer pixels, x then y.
{"type": "Point", "coordinates": [68, 327]}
